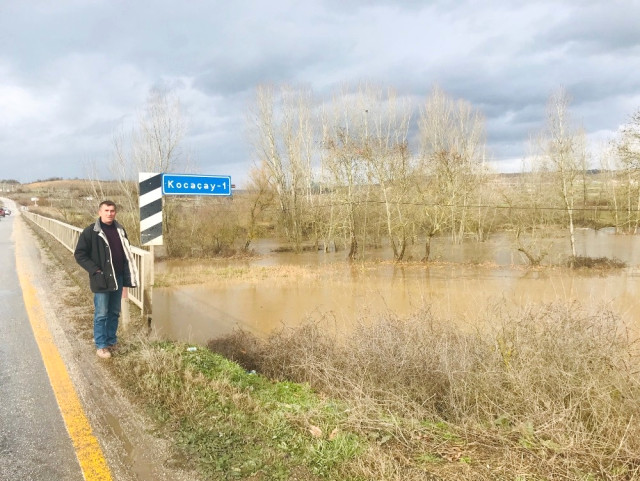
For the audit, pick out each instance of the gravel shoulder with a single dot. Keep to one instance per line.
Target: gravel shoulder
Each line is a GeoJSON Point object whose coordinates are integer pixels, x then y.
{"type": "Point", "coordinates": [131, 444]}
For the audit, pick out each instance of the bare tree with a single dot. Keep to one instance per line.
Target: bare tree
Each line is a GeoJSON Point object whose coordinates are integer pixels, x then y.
{"type": "Point", "coordinates": [160, 133]}
{"type": "Point", "coordinates": [283, 139]}
{"type": "Point", "coordinates": [152, 145]}
{"type": "Point", "coordinates": [260, 197]}
{"type": "Point", "coordinates": [627, 146]}
{"type": "Point", "coordinates": [564, 147]}
{"type": "Point", "coordinates": [452, 146]}
{"type": "Point", "coordinates": [433, 216]}
{"type": "Point", "coordinates": [344, 164]}
{"type": "Point", "coordinates": [610, 165]}
{"type": "Point", "coordinates": [386, 154]}
{"type": "Point", "coordinates": [525, 199]}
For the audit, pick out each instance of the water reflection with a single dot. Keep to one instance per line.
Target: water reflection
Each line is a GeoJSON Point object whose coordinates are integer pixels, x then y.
{"type": "Point", "coordinates": [457, 291]}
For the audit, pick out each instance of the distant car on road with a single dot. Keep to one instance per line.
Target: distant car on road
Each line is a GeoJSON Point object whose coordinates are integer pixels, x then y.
{"type": "Point", "coordinates": [7, 212]}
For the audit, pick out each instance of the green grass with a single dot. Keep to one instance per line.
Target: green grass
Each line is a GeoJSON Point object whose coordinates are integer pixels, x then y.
{"type": "Point", "coordinates": [237, 424]}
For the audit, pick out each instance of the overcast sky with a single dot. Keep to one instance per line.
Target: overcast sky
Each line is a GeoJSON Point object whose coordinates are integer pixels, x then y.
{"type": "Point", "coordinates": [74, 72]}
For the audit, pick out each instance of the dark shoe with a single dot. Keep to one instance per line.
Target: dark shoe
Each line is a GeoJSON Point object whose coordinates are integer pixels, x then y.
{"type": "Point", "coordinates": [113, 348]}
{"type": "Point", "coordinates": [103, 353]}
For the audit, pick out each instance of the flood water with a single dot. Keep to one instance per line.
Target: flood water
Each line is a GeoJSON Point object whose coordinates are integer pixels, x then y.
{"type": "Point", "coordinates": [463, 283]}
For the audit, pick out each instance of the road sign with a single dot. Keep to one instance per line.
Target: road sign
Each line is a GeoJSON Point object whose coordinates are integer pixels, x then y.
{"type": "Point", "coordinates": [187, 184]}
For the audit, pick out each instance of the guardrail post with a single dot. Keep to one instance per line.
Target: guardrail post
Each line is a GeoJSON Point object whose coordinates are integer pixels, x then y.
{"type": "Point", "coordinates": [124, 309]}
{"type": "Point", "coordinates": [147, 281]}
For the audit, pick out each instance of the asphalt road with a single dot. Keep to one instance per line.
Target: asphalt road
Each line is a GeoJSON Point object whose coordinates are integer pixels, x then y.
{"type": "Point", "coordinates": [63, 414]}
{"type": "Point", "coordinates": [34, 443]}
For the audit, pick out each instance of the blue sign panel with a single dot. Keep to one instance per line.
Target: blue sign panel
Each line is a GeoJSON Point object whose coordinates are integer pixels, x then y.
{"type": "Point", "coordinates": [187, 184]}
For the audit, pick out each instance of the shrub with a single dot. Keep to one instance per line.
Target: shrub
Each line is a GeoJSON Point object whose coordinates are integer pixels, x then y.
{"type": "Point", "coordinates": [595, 262]}
{"type": "Point", "coordinates": [553, 378]}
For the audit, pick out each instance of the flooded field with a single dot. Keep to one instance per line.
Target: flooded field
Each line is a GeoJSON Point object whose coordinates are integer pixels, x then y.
{"type": "Point", "coordinates": [463, 283]}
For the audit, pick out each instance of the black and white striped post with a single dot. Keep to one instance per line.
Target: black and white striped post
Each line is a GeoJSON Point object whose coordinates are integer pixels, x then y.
{"type": "Point", "coordinates": [150, 209]}
{"type": "Point", "coordinates": [150, 202]}
{"type": "Point", "coordinates": [153, 187]}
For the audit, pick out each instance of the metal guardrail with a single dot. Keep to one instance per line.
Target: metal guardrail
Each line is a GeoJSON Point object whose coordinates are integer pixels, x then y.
{"type": "Point", "coordinates": [68, 236]}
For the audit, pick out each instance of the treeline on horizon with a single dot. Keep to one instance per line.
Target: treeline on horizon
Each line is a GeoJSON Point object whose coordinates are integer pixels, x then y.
{"type": "Point", "coordinates": [342, 176]}
{"type": "Point", "coordinates": [48, 179]}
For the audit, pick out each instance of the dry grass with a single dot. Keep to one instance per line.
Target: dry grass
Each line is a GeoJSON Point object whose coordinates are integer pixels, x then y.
{"type": "Point", "coordinates": [595, 262]}
{"type": "Point", "coordinates": [212, 271]}
{"type": "Point", "coordinates": [552, 393]}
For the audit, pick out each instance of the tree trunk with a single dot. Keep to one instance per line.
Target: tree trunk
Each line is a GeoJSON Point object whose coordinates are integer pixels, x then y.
{"type": "Point", "coordinates": [427, 249]}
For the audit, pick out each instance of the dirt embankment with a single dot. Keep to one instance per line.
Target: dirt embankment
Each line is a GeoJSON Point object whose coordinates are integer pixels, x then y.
{"type": "Point", "coordinates": [126, 436]}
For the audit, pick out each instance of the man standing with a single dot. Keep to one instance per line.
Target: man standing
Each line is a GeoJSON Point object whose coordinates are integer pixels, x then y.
{"type": "Point", "coordinates": [103, 250]}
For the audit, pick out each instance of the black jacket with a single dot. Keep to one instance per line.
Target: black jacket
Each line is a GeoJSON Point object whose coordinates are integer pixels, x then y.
{"type": "Point", "coordinates": [94, 256]}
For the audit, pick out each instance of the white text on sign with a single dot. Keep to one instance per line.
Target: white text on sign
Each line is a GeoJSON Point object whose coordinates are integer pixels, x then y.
{"type": "Point", "coordinates": [189, 186]}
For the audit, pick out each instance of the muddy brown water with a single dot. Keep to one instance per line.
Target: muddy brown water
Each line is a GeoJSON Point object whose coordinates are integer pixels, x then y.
{"type": "Point", "coordinates": [463, 284]}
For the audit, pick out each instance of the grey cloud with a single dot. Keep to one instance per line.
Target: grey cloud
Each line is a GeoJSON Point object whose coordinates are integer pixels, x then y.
{"type": "Point", "coordinates": [230, 77]}
{"type": "Point", "coordinates": [601, 27]}
{"type": "Point", "coordinates": [99, 128]}
{"type": "Point", "coordinates": [94, 64]}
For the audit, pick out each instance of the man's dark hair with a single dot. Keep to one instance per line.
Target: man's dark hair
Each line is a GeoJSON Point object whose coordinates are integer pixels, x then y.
{"type": "Point", "coordinates": [109, 203]}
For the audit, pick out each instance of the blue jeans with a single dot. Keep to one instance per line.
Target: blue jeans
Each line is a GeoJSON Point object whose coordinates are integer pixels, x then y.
{"type": "Point", "coordinates": [106, 315]}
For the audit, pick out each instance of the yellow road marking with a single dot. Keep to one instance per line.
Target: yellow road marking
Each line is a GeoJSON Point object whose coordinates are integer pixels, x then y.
{"type": "Point", "coordinates": [90, 457]}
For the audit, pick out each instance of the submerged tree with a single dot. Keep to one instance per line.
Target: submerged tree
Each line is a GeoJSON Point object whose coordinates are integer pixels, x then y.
{"type": "Point", "coordinates": [259, 197]}
{"type": "Point", "coordinates": [344, 134]}
{"type": "Point", "coordinates": [283, 137]}
{"type": "Point", "coordinates": [452, 157]}
{"type": "Point", "coordinates": [388, 162]}
{"type": "Point", "coordinates": [564, 148]}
